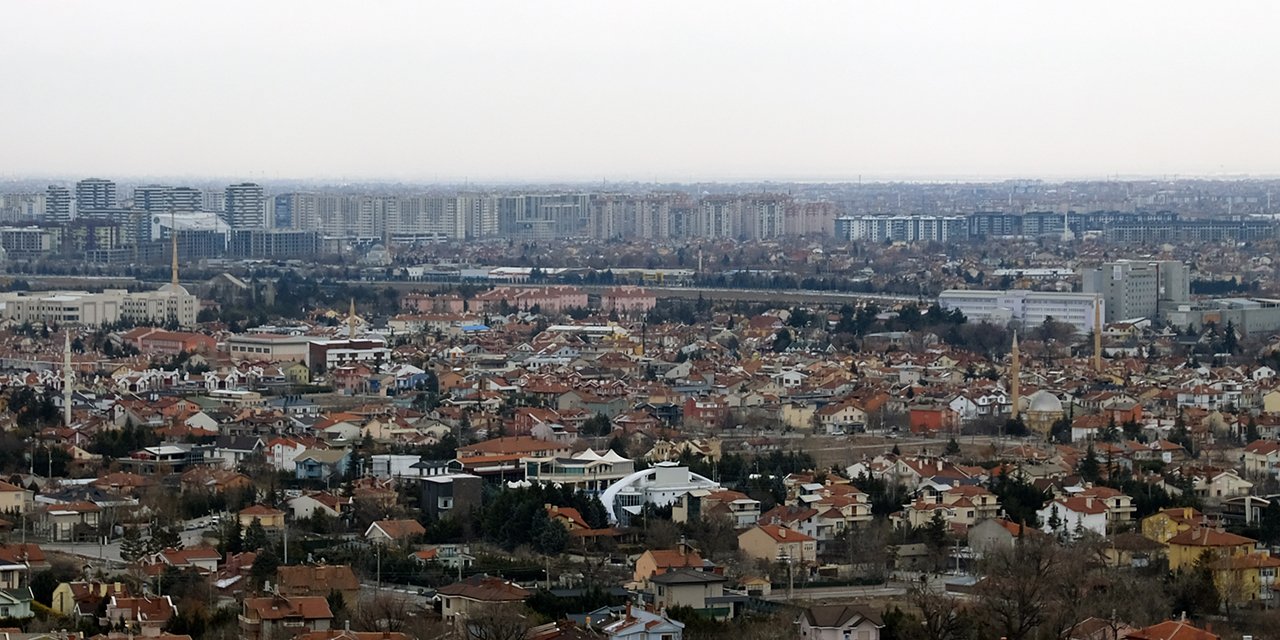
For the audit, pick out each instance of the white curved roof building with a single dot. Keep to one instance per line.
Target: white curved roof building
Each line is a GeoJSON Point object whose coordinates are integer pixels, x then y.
{"type": "Point", "coordinates": [659, 485]}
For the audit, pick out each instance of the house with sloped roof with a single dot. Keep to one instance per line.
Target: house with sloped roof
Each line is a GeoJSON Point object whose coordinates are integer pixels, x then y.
{"type": "Point", "coordinates": [318, 580]}
{"type": "Point", "coordinates": [1172, 630]}
{"type": "Point", "coordinates": [393, 531]}
{"type": "Point", "coordinates": [771, 542]}
{"type": "Point", "coordinates": [146, 615]}
{"type": "Point", "coordinates": [659, 561]}
{"type": "Point", "coordinates": [321, 464]}
{"type": "Point", "coordinates": [1066, 516]}
{"type": "Point", "coordinates": [641, 624]}
{"type": "Point", "coordinates": [478, 593]}
{"type": "Point", "coordinates": [703, 591]}
{"type": "Point", "coordinates": [277, 616]}
{"type": "Point", "coordinates": [839, 622]}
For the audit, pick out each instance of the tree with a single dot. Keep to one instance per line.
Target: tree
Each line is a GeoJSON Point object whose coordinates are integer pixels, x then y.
{"type": "Point", "coordinates": [1251, 430]}
{"type": "Point", "coordinates": [255, 536]}
{"type": "Point", "coordinates": [1017, 592]}
{"type": "Point", "coordinates": [553, 539]}
{"type": "Point", "coordinates": [132, 546]}
{"type": "Point", "coordinates": [232, 540]}
{"type": "Point", "coordinates": [953, 447]}
{"type": "Point", "coordinates": [1090, 469]}
{"type": "Point", "coordinates": [163, 538]}
{"type": "Point", "coordinates": [940, 617]}
{"type": "Point", "coordinates": [500, 622]}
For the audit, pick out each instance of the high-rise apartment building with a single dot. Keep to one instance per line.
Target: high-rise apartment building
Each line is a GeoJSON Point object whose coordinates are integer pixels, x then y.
{"type": "Point", "coordinates": [95, 194]}
{"type": "Point", "coordinates": [57, 204]}
{"type": "Point", "coordinates": [245, 206]}
{"type": "Point", "coordinates": [156, 198]}
{"type": "Point", "coordinates": [1139, 289]}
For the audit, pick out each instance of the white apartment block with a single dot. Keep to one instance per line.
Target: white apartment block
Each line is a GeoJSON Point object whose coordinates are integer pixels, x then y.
{"type": "Point", "coordinates": [94, 309]}
{"type": "Point", "coordinates": [1024, 307]}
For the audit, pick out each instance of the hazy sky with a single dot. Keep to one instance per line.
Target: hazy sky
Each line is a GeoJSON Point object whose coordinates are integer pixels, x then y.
{"type": "Point", "coordinates": [532, 90]}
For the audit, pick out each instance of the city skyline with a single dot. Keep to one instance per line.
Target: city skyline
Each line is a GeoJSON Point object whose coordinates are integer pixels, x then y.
{"type": "Point", "coordinates": [583, 92]}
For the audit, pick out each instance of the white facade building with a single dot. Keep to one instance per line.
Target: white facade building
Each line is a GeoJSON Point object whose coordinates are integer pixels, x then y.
{"type": "Point", "coordinates": [659, 486]}
{"type": "Point", "coordinates": [1028, 308]}
{"type": "Point", "coordinates": [95, 309]}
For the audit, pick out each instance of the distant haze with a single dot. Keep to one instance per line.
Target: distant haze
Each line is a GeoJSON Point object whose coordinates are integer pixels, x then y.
{"type": "Point", "coordinates": [680, 91]}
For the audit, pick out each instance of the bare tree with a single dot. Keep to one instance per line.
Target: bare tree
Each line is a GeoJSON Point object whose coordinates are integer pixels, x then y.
{"type": "Point", "coordinates": [940, 617]}
{"type": "Point", "coordinates": [500, 622]}
{"type": "Point", "coordinates": [382, 612]}
{"type": "Point", "coordinates": [1017, 588]}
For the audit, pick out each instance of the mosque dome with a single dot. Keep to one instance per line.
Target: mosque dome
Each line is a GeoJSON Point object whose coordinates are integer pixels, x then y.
{"type": "Point", "coordinates": [174, 288]}
{"type": "Point", "coordinates": [1044, 402]}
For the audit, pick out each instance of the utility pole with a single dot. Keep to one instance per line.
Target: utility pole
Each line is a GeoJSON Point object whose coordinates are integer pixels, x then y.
{"type": "Point", "coordinates": [379, 548]}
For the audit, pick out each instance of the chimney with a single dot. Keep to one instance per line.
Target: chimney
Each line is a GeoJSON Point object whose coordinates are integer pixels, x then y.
{"type": "Point", "coordinates": [782, 532]}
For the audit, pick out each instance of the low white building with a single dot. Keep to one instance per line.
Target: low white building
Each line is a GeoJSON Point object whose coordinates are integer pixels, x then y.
{"type": "Point", "coordinates": [1081, 513]}
{"type": "Point", "coordinates": [659, 486]}
{"type": "Point", "coordinates": [1028, 308]}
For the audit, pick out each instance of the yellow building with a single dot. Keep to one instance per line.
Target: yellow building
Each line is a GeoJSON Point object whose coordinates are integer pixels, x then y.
{"type": "Point", "coordinates": [774, 543]}
{"type": "Point", "coordinates": [14, 499]}
{"type": "Point", "coordinates": [1186, 548]}
{"type": "Point", "coordinates": [1245, 578]}
{"type": "Point", "coordinates": [1163, 525]}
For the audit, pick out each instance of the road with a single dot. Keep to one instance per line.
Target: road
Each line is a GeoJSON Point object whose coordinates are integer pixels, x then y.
{"type": "Point", "coordinates": [839, 593]}
{"type": "Point", "coordinates": [110, 552]}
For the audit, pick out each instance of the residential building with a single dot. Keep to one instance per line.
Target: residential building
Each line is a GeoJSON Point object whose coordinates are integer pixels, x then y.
{"type": "Point", "coordinates": [740, 509]}
{"type": "Point", "coordinates": [655, 562]}
{"type": "Point", "coordinates": [1165, 524]}
{"type": "Point", "coordinates": [318, 580]}
{"type": "Point", "coordinates": [276, 616]}
{"type": "Point", "coordinates": [15, 499]}
{"type": "Point", "coordinates": [94, 194]}
{"type": "Point", "coordinates": [477, 595]}
{"type": "Point", "coordinates": [268, 517]}
{"type": "Point", "coordinates": [321, 464]}
{"type": "Point", "coordinates": [57, 205]}
{"type": "Point", "coordinates": [81, 599]}
{"type": "Point", "coordinates": [245, 207]}
{"type": "Point", "coordinates": [701, 591]}
{"type": "Point", "coordinates": [1068, 516]}
{"type": "Point", "coordinates": [1186, 548]}
{"type": "Point", "coordinates": [444, 494]}
{"type": "Point", "coordinates": [393, 531]}
{"type": "Point", "coordinates": [1262, 459]}
{"type": "Point", "coordinates": [144, 615]}
{"type": "Point", "coordinates": [839, 622]}
{"type": "Point", "coordinates": [642, 624]}
{"type": "Point", "coordinates": [773, 543]}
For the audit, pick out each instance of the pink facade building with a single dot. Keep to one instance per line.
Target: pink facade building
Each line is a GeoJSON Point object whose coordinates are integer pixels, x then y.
{"type": "Point", "coordinates": [425, 303]}
{"type": "Point", "coordinates": [550, 299]}
{"type": "Point", "coordinates": [628, 300]}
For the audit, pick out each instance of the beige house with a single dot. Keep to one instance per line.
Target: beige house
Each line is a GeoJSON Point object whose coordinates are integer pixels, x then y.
{"type": "Point", "coordinates": [689, 588]}
{"type": "Point", "coordinates": [772, 542]}
{"type": "Point", "coordinates": [268, 517]}
{"type": "Point", "coordinates": [658, 561]}
{"type": "Point", "coordinates": [839, 622]}
{"type": "Point", "coordinates": [1262, 457]}
{"type": "Point", "coordinates": [1220, 486]}
{"type": "Point", "coordinates": [14, 499]}
{"type": "Point", "coordinates": [271, 617]}
{"type": "Point", "coordinates": [477, 594]}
